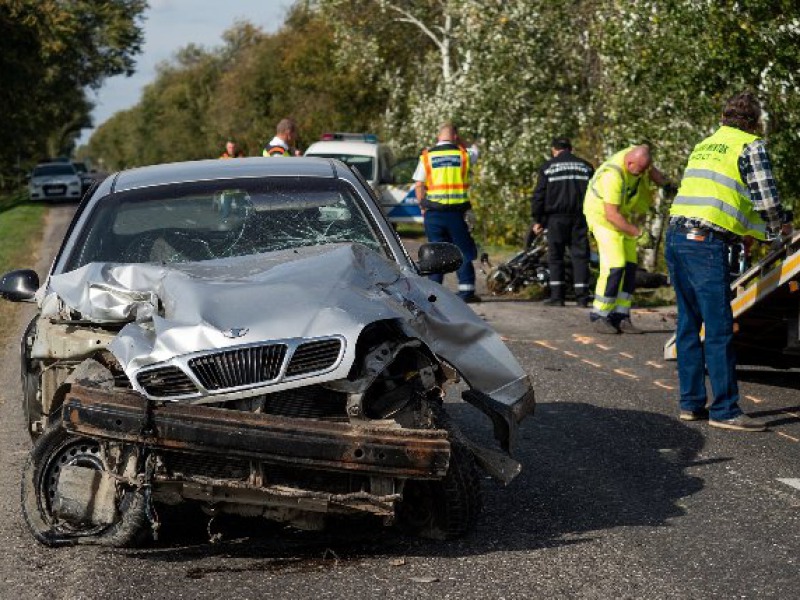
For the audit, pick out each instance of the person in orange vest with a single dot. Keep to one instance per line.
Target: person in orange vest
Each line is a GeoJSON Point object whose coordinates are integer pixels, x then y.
{"type": "Point", "coordinates": [231, 151]}
{"type": "Point", "coordinates": [441, 186]}
{"type": "Point", "coordinates": [283, 142]}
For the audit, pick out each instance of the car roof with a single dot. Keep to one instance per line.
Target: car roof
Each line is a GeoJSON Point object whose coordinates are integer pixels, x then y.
{"type": "Point", "coordinates": [343, 147]}
{"type": "Point", "coordinates": [55, 164]}
{"type": "Point", "coordinates": [210, 170]}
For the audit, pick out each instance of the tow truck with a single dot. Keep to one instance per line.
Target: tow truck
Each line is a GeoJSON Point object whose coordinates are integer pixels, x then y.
{"type": "Point", "coordinates": [766, 310]}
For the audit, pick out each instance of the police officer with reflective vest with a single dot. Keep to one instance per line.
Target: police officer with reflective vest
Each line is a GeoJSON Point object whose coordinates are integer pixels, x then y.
{"type": "Point", "coordinates": [557, 204]}
{"type": "Point", "coordinates": [622, 187]}
{"type": "Point", "coordinates": [283, 142]}
{"type": "Point", "coordinates": [727, 192]}
{"type": "Point", "coordinates": [442, 183]}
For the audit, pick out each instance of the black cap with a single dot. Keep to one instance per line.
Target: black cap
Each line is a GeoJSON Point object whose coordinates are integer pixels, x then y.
{"type": "Point", "coordinates": [561, 143]}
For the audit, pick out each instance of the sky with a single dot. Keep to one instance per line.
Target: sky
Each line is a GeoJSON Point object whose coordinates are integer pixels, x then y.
{"type": "Point", "coordinates": [170, 25]}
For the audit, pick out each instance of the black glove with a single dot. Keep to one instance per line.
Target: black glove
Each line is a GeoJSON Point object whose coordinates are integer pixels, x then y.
{"type": "Point", "coordinates": [670, 189]}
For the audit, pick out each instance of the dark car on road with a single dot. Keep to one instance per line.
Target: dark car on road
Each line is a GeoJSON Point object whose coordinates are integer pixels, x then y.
{"type": "Point", "coordinates": [86, 177]}
{"type": "Point", "coordinates": [251, 336]}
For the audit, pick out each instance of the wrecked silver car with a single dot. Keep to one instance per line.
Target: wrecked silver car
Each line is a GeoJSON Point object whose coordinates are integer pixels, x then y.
{"type": "Point", "coordinates": [251, 336]}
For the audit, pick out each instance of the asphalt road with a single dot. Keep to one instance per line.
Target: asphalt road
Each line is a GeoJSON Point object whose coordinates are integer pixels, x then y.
{"type": "Point", "coordinates": [617, 499]}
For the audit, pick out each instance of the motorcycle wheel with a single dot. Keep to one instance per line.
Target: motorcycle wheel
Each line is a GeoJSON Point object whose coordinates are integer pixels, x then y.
{"type": "Point", "coordinates": [498, 281]}
{"type": "Point", "coordinates": [57, 448]}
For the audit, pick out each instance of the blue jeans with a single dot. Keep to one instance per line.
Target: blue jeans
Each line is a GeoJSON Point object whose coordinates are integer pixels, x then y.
{"type": "Point", "coordinates": [444, 226]}
{"type": "Point", "coordinates": [701, 278]}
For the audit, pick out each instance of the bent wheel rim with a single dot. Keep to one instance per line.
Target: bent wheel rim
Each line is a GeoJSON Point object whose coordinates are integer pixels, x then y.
{"type": "Point", "coordinates": [81, 453]}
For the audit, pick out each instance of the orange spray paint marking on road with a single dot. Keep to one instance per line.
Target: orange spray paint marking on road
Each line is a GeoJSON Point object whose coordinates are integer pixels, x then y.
{"type": "Point", "coordinates": [754, 399]}
{"type": "Point", "coordinates": [786, 435]}
{"type": "Point", "coordinates": [603, 347]}
{"type": "Point", "coordinates": [583, 339]}
{"type": "Point", "coordinates": [666, 386]}
{"type": "Point", "coordinates": [626, 355]}
{"type": "Point", "coordinates": [625, 373]}
{"type": "Point", "coordinates": [545, 344]}
{"type": "Point", "coordinates": [572, 354]}
{"type": "Point", "coordinates": [588, 362]}
{"type": "Point", "coordinates": [654, 364]}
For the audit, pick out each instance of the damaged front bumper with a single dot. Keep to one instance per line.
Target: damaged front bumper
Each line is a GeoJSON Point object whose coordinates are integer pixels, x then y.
{"type": "Point", "coordinates": [377, 449]}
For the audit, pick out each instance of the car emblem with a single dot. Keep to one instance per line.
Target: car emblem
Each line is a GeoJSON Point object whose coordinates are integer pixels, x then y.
{"type": "Point", "coordinates": [236, 332]}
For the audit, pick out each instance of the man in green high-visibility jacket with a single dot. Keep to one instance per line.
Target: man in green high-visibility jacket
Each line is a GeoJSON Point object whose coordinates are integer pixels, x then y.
{"type": "Point", "coordinates": [621, 189]}
{"type": "Point", "coordinates": [728, 192]}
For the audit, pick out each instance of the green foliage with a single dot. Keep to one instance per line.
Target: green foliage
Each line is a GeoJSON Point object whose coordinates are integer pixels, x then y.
{"type": "Point", "coordinates": [240, 90]}
{"type": "Point", "coordinates": [20, 222]}
{"type": "Point", "coordinates": [51, 51]}
{"type": "Point", "coordinates": [512, 74]}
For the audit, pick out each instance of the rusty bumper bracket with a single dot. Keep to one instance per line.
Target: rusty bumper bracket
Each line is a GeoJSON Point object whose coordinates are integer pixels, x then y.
{"type": "Point", "coordinates": [383, 450]}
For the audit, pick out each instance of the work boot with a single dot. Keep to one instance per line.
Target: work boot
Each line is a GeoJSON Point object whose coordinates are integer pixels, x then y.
{"type": "Point", "coordinates": [740, 423]}
{"type": "Point", "coordinates": [471, 299]}
{"type": "Point", "coordinates": [604, 325]}
{"type": "Point", "coordinates": [553, 302]}
{"type": "Point", "coordinates": [699, 414]}
{"type": "Point", "coordinates": [625, 326]}
{"type": "Point", "coordinates": [583, 301]}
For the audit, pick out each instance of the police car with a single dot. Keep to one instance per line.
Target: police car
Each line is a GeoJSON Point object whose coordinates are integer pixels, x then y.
{"type": "Point", "coordinates": [390, 179]}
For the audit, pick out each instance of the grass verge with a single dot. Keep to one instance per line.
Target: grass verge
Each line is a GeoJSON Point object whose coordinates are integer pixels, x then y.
{"type": "Point", "coordinates": [21, 225]}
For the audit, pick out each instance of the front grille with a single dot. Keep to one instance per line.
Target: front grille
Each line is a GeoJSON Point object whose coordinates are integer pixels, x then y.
{"type": "Point", "coordinates": [312, 402]}
{"type": "Point", "coordinates": [206, 465]}
{"type": "Point", "coordinates": [239, 366]}
{"type": "Point", "coordinates": [166, 381]}
{"type": "Point", "coordinates": [314, 356]}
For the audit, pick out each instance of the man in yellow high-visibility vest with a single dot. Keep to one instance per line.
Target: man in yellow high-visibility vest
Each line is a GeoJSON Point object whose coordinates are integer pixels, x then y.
{"type": "Point", "coordinates": [727, 192]}
{"type": "Point", "coordinates": [283, 142]}
{"type": "Point", "coordinates": [621, 188]}
{"type": "Point", "coordinates": [442, 183]}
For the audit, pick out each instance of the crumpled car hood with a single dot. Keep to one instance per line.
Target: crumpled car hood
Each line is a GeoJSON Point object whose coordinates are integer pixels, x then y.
{"type": "Point", "coordinates": [172, 310]}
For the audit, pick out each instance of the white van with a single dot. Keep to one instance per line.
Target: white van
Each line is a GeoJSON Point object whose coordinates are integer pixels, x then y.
{"type": "Point", "coordinates": [391, 180]}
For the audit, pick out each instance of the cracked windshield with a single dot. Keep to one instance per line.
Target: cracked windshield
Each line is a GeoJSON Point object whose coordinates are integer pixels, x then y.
{"type": "Point", "coordinates": [206, 221]}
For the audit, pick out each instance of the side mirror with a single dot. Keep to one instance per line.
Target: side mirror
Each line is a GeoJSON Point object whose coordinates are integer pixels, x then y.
{"type": "Point", "coordinates": [438, 258]}
{"type": "Point", "coordinates": [19, 286]}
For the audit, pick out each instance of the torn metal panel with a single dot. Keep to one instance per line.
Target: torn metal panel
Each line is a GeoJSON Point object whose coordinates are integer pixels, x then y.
{"type": "Point", "coordinates": [313, 292]}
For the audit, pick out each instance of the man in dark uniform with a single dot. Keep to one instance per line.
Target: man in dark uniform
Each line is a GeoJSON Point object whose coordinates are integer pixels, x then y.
{"type": "Point", "coordinates": [557, 205]}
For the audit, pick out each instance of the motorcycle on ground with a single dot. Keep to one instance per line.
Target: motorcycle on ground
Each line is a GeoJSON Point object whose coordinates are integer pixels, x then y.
{"type": "Point", "coordinates": [530, 268]}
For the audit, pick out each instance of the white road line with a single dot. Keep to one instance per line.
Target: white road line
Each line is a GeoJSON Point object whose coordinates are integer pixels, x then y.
{"type": "Point", "coordinates": [787, 436]}
{"type": "Point", "coordinates": [795, 483]}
